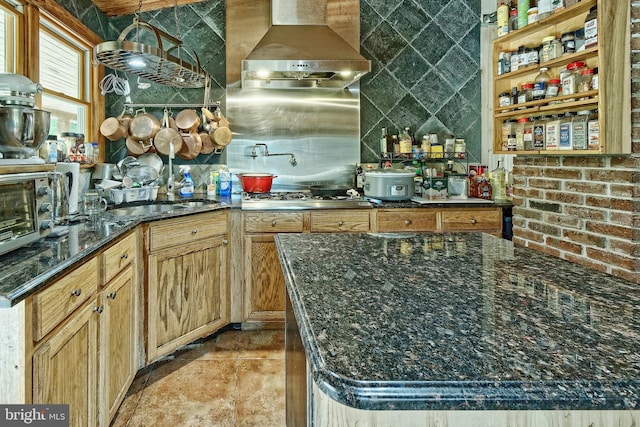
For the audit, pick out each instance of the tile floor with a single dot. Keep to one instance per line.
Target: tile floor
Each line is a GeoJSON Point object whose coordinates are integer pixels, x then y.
{"type": "Point", "coordinates": [233, 379]}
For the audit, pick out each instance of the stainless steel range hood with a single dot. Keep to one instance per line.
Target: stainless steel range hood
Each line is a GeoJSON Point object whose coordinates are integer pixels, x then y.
{"type": "Point", "coordinates": [302, 50]}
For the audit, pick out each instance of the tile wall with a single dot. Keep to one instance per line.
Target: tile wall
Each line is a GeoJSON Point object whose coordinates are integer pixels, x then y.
{"type": "Point", "coordinates": [425, 65]}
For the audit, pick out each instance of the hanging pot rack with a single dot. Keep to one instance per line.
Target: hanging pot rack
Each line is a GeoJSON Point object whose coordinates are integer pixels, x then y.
{"type": "Point", "coordinates": [159, 65]}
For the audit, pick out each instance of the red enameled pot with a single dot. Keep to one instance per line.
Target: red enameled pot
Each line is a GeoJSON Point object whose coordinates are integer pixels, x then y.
{"type": "Point", "coordinates": [256, 182]}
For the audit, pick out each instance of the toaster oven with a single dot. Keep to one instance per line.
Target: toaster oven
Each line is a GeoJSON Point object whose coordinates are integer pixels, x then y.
{"type": "Point", "coordinates": [25, 209]}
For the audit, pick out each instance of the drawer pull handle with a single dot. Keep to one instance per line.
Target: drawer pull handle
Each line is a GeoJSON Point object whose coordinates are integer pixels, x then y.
{"type": "Point", "coordinates": [124, 256]}
{"type": "Point", "coordinates": [407, 221]}
{"type": "Point", "coordinates": [112, 295]}
{"type": "Point", "coordinates": [273, 223]}
{"type": "Point", "coordinates": [225, 242]}
{"type": "Point", "coordinates": [474, 221]}
{"type": "Point", "coordinates": [99, 309]}
{"type": "Point", "coordinates": [194, 231]}
{"type": "Point", "coordinates": [340, 223]}
{"type": "Point", "coordinates": [76, 292]}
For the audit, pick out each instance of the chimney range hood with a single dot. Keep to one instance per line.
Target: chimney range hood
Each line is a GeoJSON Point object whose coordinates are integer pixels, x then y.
{"type": "Point", "coordinates": [300, 50]}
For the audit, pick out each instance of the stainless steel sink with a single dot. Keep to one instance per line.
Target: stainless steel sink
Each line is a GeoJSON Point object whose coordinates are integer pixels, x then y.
{"type": "Point", "coordinates": [143, 210]}
{"type": "Point", "coordinates": [191, 205]}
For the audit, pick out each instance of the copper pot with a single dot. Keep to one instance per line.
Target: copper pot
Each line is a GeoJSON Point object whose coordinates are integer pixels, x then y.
{"type": "Point", "coordinates": [144, 126]}
{"type": "Point", "coordinates": [166, 136]}
{"type": "Point", "coordinates": [112, 129]}
{"type": "Point", "coordinates": [191, 147]}
{"type": "Point", "coordinates": [221, 134]}
{"type": "Point", "coordinates": [188, 120]}
{"type": "Point", "coordinates": [136, 148]}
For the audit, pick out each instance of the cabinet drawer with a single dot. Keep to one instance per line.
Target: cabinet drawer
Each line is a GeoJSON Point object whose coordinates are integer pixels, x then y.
{"type": "Point", "coordinates": [186, 229]}
{"type": "Point", "coordinates": [53, 304]}
{"type": "Point", "coordinates": [412, 220]}
{"type": "Point", "coordinates": [340, 220]}
{"type": "Point", "coordinates": [273, 222]}
{"type": "Point", "coordinates": [472, 220]}
{"type": "Point", "coordinates": [118, 256]}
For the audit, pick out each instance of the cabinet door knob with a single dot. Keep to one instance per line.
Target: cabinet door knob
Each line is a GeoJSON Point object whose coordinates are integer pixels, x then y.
{"type": "Point", "coordinates": [76, 292]}
{"type": "Point", "coordinates": [111, 295]}
{"type": "Point", "coordinates": [340, 223]}
{"type": "Point", "coordinates": [98, 309]}
{"type": "Point", "coordinates": [473, 221]}
{"type": "Point", "coordinates": [194, 231]}
{"type": "Point", "coordinates": [273, 223]}
{"type": "Point", "coordinates": [407, 221]}
{"type": "Point", "coordinates": [124, 256]}
{"type": "Point", "coordinates": [225, 242]}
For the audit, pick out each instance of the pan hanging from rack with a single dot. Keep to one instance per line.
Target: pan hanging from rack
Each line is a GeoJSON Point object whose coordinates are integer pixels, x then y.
{"type": "Point", "coordinates": [152, 62]}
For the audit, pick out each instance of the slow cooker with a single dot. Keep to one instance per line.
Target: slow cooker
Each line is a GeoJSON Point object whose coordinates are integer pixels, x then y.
{"type": "Point", "coordinates": [389, 184]}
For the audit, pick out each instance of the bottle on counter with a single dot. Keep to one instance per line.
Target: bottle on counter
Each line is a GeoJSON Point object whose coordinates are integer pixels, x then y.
{"type": "Point", "coordinates": [225, 183]}
{"type": "Point", "coordinates": [498, 183]}
{"type": "Point", "coordinates": [384, 149]}
{"type": "Point", "coordinates": [212, 186]}
{"type": "Point", "coordinates": [406, 142]}
{"type": "Point", "coordinates": [186, 185]}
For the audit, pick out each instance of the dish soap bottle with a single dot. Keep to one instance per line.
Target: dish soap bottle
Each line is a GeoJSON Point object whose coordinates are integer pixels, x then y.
{"type": "Point", "coordinates": [225, 183]}
{"type": "Point", "coordinates": [186, 185]}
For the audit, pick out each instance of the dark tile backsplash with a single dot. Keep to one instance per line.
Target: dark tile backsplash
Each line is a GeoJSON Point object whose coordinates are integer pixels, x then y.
{"type": "Point", "coordinates": [425, 65]}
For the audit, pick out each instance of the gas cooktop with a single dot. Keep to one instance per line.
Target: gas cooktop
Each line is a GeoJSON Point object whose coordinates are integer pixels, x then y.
{"type": "Point", "coordinates": [299, 200]}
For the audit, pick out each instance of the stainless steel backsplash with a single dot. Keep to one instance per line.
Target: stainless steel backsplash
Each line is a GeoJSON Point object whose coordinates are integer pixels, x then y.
{"type": "Point", "coordinates": [320, 127]}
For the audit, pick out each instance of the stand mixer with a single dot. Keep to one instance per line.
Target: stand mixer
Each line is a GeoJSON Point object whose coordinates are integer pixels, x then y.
{"type": "Point", "coordinates": [23, 128]}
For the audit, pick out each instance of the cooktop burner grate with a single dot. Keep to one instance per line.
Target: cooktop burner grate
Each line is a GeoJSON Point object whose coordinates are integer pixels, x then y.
{"type": "Point", "coordinates": [299, 200]}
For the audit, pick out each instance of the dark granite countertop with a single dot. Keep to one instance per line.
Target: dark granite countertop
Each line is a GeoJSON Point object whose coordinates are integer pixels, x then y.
{"type": "Point", "coordinates": [31, 268]}
{"type": "Point", "coordinates": [460, 321]}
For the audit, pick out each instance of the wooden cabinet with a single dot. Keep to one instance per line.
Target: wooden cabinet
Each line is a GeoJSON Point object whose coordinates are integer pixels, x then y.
{"type": "Point", "coordinates": [488, 220]}
{"type": "Point", "coordinates": [116, 339]}
{"type": "Point", "coordinates": [395, 220]}
{"type": "Point", "coordinates": [340, 220]}
{"type": "Point", "coordinates": [611, 56]}
{"type": "Point", "coordinates": [264, 292]}
{"type": "Point", "coordinates": [188, 287]}
{"type": "Point", "coordinates": [65, 367]}
{"type": "Point", "coordinates": [264, 289]}
{"type": "Point", "coordinates": [84, 339]}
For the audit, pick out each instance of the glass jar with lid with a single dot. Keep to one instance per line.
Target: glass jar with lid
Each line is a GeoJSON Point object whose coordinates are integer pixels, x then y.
{"type": "Point", "coordinates": [584, 84]}
{"type": "Point", "coordinates": [553, 88]}
{"type": "Point", "coordinates": [546, 48]}
{"type": "Point", "coordinates": [525, 94]}
{"type": "Point", "coordinates": [568, 42]}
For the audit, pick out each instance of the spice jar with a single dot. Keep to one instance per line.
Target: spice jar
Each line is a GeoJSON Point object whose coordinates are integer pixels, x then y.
{"type": "Point", "coordinates": [556, 49]}
{"type": "Point", "coordinates": [546, 48]}
{"type": "Point", "coordinates": [532, 15]}
{"type": "Point", "coordinates": [585, 81]}
{"type": "Point", "coordinates": [504, 99]}
{"type": "Point", "coordinates": [595, 84]}
{"type": "Point", "coordinates": [591, 28]}
{"type": "Point", "coordinates": [553, 88]}
{"type": "Point", "coordinates": [525, 94]}
{"type": "Point", "coordinates": [568, 42]}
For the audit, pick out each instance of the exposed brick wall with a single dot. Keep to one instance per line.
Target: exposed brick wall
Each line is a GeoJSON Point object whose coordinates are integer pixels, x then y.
{"type": "Point", "coordinates": [585, 209]}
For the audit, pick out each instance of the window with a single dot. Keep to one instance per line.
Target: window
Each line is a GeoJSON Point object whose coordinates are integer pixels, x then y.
{"type": "Point", "coordinates": [8, 37]}
{"type": "Point", "coordinates": [64, 65]}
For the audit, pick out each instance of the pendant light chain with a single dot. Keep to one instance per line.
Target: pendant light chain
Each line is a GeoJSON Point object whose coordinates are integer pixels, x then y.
{"type": "Point", "coordinates": [175, 15]}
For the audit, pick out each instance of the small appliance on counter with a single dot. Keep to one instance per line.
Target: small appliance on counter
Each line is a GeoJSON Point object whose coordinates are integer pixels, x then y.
{"type": "Point", "coordinates": [71, 178]}
{"type": "Point", "coordinates": [25, 209]}
{"type": "Point", "coordinates": [389, 184]}
{"type": "Point", "coordinates": [23, 128]}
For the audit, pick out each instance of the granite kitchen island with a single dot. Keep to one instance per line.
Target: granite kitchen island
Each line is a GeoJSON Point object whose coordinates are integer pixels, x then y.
{"type": "Point", "coordinates": [454, 329]}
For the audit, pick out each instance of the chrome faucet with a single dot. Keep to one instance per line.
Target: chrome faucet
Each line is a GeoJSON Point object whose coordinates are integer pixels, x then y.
{"type": "Point", "coordinates": [171, 180]}
{"type": "Point", "coordinates": [254, 153]}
